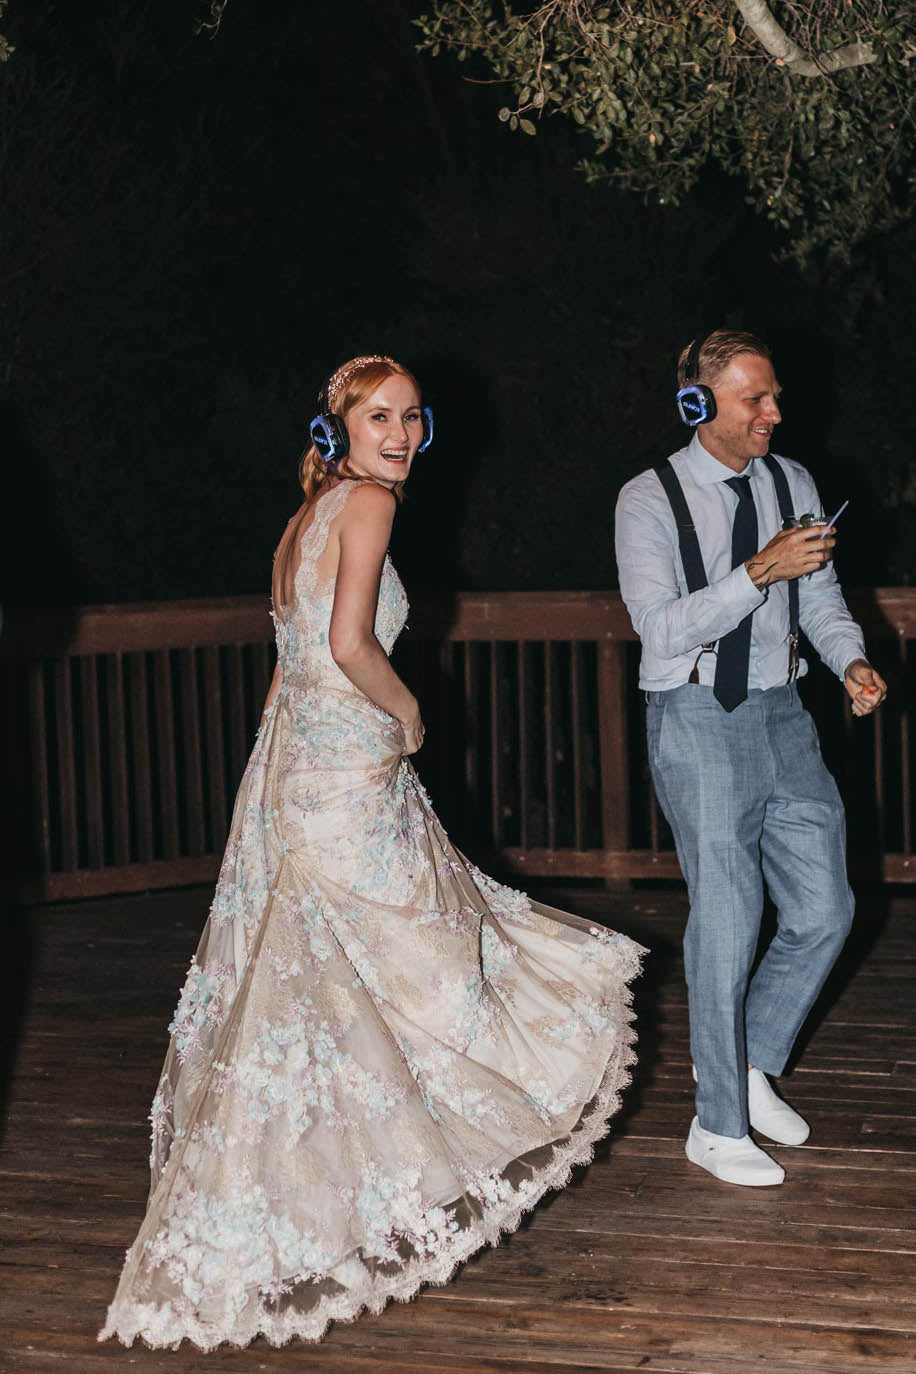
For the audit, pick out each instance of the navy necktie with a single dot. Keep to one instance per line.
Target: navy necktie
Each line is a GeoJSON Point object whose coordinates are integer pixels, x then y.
{"type": "Point", "coordinates": [734, 652]}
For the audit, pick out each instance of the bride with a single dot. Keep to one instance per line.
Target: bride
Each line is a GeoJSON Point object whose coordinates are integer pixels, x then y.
{"type": "Point", "coordinates": [381, 1057]}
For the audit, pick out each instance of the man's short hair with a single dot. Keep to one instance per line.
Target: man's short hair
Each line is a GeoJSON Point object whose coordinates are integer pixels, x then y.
{"type": "Point", "coordinates": [717, 351]}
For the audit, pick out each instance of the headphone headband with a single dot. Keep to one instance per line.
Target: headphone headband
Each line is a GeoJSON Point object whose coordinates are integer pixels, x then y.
{"type": "Point", "coordinates": [696, 403]}
{"type": "Point", "coordinates": [692, 365]}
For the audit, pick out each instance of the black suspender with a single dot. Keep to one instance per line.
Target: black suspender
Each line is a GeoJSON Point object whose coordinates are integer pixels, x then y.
{"type": "Point", "coordinates": [692, 557]}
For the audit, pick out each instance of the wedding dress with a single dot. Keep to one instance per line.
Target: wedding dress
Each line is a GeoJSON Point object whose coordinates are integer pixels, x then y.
{"type": "Point", "coordinates": [381, 1057]}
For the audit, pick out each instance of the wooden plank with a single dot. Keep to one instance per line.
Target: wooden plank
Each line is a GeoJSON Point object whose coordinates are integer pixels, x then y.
{"type": "Point", "coordinates": [216, 765]}
{"type": "Point", "coordinates": [117, 759]}
{"type": "Point", "coordinates": [102, 882]}
{"type": "Point", "coordinates": [136, 627]}
{"type": "Point", "coordinates": [613, 748]}
{"type": "Point", "coordinates": [74, 1354]}
{"type": "Point", "coordinates": [906, 787]}
{"type": "Point", "coordinates": [654, 814]}
{"type": "Point", "coordinates": [191, 752]}
{"type": "Point", "coordinates": [531, 863]}
{"type": "Point", "coordinates": [165, 753]}
{"type": "Point", "coordinates": [522, 688]}
{"type": "Point", "coordinates": [235, 710]}
{"type": "Point", "coordinates": [66, 764]}
{"type": "Point", "coordinates": [141, 794]}
{"type": "Point", "coordinates": [644, 863]}
{"type": "Point", "coordinates": [496, 746]}
{"type": "Point", "coordinates": [878, 723]}
{"type": "Point", "coordinates": [588, 863]}
{"type": "Point", "coordinates": [550, 753]}
{"type": "Point", "coordinates": [522, 616]}
{"type": "Point", "coordinates": [38, 740]}
{"type": "Point", "coordinates": [260, 673]}
{"type": "Point", "coordinates": [471, 693]}
{"type": "Point", "coordinates": [576, 714]}
{"type": "Point", "coordinates": [91, 736]}
{"type": "Point", "coordinates": [884, 612]}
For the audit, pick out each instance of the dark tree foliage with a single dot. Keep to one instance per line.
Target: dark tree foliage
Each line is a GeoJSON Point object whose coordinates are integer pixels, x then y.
{"type": "Point", "coordinates": [194, 230]}
{"type": "Point", "coordinates": [5, 47]}
{"type": "Point", "coordinates": [811, 106]}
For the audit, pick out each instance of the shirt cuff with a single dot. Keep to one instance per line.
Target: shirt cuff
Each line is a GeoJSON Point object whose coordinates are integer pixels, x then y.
{"type": "Point", "coordinates": [745, 590]}
{"type": "Point", "coordinates": [847, 659]}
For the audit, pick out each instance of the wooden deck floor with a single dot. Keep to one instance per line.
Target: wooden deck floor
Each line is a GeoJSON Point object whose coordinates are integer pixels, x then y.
{"type": "Point", "coordinates": [645, 1263]}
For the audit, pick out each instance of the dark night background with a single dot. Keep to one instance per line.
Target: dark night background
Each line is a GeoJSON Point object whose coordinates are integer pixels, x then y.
{"type": "Point", "coordinates": [195, 230]}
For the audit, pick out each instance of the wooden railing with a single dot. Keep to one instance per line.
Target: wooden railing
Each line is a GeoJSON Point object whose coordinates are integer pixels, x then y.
{"type": "Point", "coordinates": [126, 730]}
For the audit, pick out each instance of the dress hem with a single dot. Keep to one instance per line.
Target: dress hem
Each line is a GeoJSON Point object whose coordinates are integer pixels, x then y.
{"type": "Point", "coordinates": [435, 1271]}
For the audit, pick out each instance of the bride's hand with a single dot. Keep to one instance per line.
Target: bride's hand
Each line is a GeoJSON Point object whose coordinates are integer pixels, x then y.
{"type": "Point", "coordinates": [413, 733]}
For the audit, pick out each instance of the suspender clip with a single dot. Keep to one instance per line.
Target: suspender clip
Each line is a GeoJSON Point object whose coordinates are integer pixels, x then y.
{"type": "Point", "coordinates": [709, 648]}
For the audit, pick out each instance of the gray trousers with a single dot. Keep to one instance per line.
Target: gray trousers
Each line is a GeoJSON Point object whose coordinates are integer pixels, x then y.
{"type": "Point", "coordinates": [748, 799]}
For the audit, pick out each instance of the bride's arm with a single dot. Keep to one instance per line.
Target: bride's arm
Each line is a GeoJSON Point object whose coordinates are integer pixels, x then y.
{"type": "Point", "coordinates": [365, 529]}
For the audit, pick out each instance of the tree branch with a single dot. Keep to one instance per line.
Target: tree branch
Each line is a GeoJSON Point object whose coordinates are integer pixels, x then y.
{"type": "Point", "coordinates": [761, 21]}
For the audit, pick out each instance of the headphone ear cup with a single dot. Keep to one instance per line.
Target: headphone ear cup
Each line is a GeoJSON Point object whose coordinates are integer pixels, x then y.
{"type": "Point", "coordinates": [341, 438]}
{"type": "Point", "coordinates": [320, 436]}
{"type": "Point", "coordinates": [428, 429]}
{"type": "Point", "coordinates": [696, 404]}
{"type": "Point", "coordinates": [329, 435]}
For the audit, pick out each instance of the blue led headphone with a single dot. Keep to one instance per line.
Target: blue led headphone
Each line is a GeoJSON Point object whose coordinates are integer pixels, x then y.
{"type": "Point", "coordinates": [328, 431]}
{"type": "Point", "coordinates": [696, 403]}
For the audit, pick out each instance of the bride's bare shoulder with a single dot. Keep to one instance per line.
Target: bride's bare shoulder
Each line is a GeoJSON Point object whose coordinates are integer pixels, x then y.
{"type": "Point", "coordinates": [368, 502]}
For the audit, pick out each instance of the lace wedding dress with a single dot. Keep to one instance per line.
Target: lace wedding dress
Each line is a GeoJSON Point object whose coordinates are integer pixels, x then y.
{"type": "Point", "coordinates": [381, 1057]}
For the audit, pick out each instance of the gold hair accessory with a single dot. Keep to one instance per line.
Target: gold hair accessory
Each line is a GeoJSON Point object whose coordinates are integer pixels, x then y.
{"type": "Point", "coordinates": [343, 374]}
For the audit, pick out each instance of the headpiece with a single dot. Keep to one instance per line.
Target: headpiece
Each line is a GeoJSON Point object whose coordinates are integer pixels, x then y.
{"type": "Point", "coordinates": [343, 374]}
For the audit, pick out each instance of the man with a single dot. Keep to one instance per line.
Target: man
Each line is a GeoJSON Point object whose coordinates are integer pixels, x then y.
{"type": "Point", "coordinates": [717, 584]}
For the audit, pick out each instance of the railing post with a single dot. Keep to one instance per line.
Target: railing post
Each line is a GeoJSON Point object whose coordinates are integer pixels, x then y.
{"type": "Point", "coordinates": [614, 751]}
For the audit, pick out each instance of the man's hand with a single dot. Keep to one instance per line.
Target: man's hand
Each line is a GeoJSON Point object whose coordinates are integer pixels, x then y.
{"type": "Point", "coordinates": [791, 553]}
{"type": "Point", "coordinates": [867, 689]}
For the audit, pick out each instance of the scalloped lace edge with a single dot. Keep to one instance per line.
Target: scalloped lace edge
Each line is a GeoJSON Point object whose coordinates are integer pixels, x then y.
{"type": "Point", "coordinates": [162, 1328]}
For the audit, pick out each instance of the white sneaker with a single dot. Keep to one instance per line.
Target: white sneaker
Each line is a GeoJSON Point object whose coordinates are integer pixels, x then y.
{"type": "Point", "coordinates": [770, 1115]}
{"type": "Point", "coordinates": [731, 1160]}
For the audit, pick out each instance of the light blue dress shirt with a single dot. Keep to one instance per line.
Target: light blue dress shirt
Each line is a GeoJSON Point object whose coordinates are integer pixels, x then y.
{"type": "Point", "coordinates": [673, 624]}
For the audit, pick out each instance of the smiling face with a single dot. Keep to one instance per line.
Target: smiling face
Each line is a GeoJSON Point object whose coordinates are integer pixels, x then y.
{"type": "Point", "coordinates": [385, 430]}
{"type": "Point", "coordinates": [746, 394]}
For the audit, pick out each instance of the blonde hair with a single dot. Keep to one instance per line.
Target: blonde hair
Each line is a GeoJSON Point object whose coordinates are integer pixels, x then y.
{"type": "Point", "coordinates": [349, 386]}
{"type": "Point", "coordinates": [717, 351]}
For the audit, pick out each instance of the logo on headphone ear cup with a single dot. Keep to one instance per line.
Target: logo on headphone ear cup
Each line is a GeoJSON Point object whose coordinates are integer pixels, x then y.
{"type": "Point", "coordinates": [329, 435]}
{"type": "Point", "coordinates": [428, 429]}
{"type": "Point", "coordinates": [696, 404]}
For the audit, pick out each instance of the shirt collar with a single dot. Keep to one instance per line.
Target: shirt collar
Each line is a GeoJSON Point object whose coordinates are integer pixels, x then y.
{"type": "Point", "coordinates": [705, 469]}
